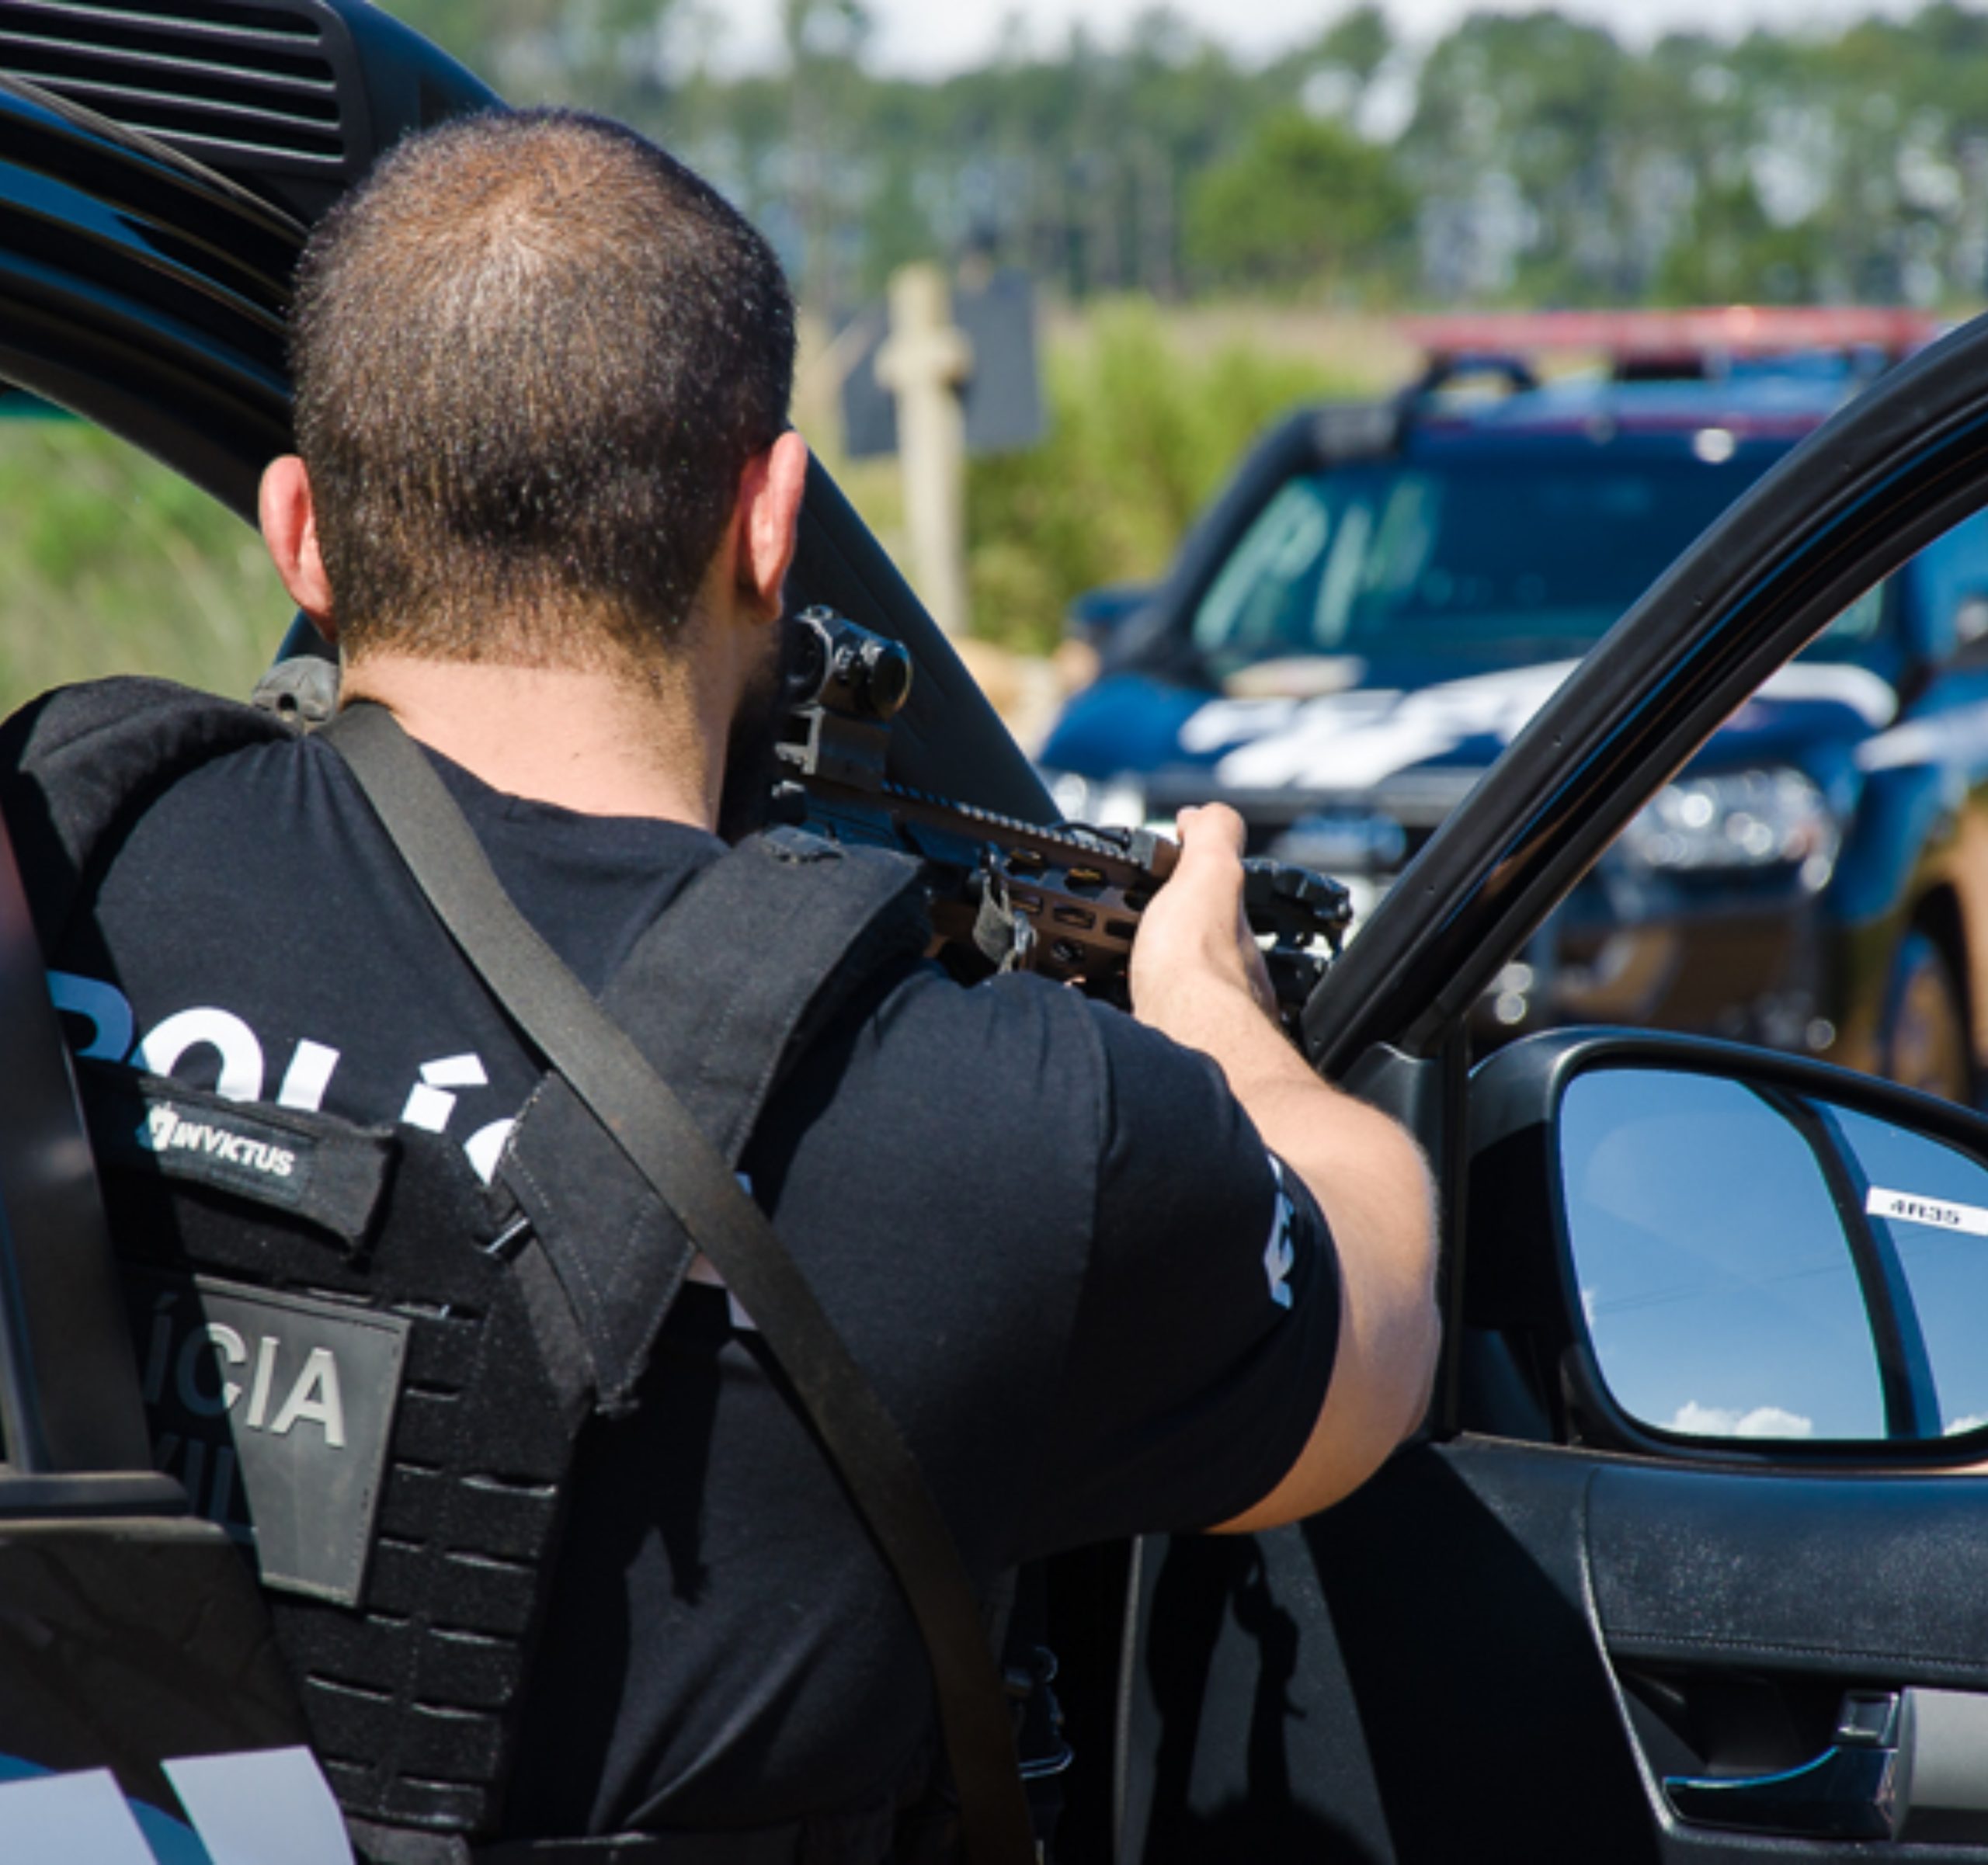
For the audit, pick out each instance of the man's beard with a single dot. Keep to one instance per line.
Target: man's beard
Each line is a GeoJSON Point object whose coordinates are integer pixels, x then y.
{"type": "Point", "coordinates": [752, 763]}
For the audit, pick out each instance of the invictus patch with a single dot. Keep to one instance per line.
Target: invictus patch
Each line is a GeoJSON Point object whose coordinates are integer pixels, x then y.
{"type": "Point", "coordinates": [329, 1172]}
{"type": "Point", "coordinates": [275, 1412]}
{"type": "Point", "coordinates": [227, 1147]}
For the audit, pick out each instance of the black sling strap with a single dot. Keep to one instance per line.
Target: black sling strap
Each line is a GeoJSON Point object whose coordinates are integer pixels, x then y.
{"type": "Point", "coordinates": [824, 921]}
{"type": "Point", "coordinates": [604, 1067]}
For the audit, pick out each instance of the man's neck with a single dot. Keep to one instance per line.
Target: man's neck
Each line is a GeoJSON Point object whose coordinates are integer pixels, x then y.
{"type": "Point", "coordinates": [587, 740]}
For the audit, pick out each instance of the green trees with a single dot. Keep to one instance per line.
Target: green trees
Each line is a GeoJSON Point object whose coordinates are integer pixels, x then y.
{"type": "Point", "coordinates": [1305, 202]}
{"type": "Point", "coordinates": [612, 55]}
{"type": "Point", "coordinates": [1527, 158]}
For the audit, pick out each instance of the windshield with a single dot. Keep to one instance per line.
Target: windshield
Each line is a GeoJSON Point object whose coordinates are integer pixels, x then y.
{"type": "Point", "coordinates": [1505, 559]}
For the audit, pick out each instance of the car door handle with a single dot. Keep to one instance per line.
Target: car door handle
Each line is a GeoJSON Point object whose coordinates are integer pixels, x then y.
{"type": "Point", "coordinates": [1852, 1791]}
{"type": "Point", "coordinates": [1844, 1794]}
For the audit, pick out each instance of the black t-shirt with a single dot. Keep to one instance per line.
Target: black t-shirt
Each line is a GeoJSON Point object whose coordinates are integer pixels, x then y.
{"type": "Point", "coordinates": [1094, 1303]}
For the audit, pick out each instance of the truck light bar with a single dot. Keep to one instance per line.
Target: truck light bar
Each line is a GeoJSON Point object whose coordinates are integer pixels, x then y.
{"type": "Point", "coordinates": [1748, 330]}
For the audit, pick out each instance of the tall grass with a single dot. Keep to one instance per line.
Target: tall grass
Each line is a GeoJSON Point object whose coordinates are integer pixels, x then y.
{"type": "Point", "coordinates": [1142, 429]}
{"type": "Point", "coordinates": [1146, 416]}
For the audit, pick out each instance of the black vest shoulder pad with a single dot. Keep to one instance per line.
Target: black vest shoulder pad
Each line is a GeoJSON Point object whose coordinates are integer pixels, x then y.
{"type": "Point", "coordinates": [79, 765]}
{"type": "Point", "coordinates": [722, 995]}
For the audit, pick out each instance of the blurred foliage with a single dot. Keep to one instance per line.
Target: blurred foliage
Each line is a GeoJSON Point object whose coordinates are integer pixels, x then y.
{"type": "Point", "coordinates": [1526, 158]}
{"type": "Point", "coordinates": [1306, 202]}
{"type": "Point", "coordinates": [113, 564]}
{"type": "Point", "coordinates": [1142, 431]}
{"type": "Point", "coordinates": [612, 55]}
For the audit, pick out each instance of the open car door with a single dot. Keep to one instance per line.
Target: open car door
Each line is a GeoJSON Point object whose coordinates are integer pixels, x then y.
{"type": "Point", "coordinates": [1687, 1566]}
{"type": "Point", "coordinates": [141, 1697]}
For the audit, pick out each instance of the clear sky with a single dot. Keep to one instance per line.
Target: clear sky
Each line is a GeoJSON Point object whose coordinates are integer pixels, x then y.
{"type": "Point", "coordinates": [929, 35]}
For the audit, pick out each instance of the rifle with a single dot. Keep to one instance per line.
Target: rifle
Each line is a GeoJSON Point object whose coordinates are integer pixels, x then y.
{"type": "Point", "coordinates": [1005, 894]}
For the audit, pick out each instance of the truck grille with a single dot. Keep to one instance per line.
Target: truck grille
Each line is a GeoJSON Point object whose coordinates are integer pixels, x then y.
{"type": "Point", "coordinates": [227, 82]}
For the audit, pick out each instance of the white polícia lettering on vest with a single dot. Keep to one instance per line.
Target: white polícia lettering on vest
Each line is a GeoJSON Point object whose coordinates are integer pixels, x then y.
{"type": "Point", "coordinates": [307, 1077]}
{"type": "Point", "coordinates": [428, 1105]}
{"type": "Point", "coordinates": [241, 1054]}
{"type": "Point", "coordinates": [104, 1007]}
{"type": "Point", "coordinates": [315, 1394]}
{"type": "Point", "coordinates": [227, 1346]}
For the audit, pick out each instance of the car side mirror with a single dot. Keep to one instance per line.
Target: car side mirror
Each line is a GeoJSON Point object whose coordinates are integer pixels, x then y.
{"type": "Point", "coordinates": [1752, 1250]}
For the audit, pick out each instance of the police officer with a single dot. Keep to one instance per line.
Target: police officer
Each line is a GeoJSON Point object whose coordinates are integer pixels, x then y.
{"type": "Point", "coordinates": [1111, 1274]}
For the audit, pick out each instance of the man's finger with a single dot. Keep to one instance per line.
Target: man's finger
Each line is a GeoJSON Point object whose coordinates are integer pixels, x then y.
{"type": "Point", "coordinates": [1211, 828]}
{"type": "Point", "coordinates": [1210, 870]}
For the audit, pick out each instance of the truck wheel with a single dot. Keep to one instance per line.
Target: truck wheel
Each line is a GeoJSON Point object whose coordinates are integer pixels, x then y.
{"type": "Point", "coordinates": [1925, 1042]}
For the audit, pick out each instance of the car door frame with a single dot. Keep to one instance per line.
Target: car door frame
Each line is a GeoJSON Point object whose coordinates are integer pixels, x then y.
{"type": "Point", "coordinates": [132, 1635]}
{"type": "Point", "coordinates": [1437, 1667]}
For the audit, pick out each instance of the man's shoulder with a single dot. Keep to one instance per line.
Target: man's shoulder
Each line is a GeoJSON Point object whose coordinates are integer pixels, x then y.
{"type": "Point", "coordinates": [80, 763]}
{"type": "Point", "coordinates": [1036, 1042]}
{"type": "Point", "coordinates": [1023, 1015]}
{"type": "Point", "coordinates": [967, 1084]}
{"type": "Point", "coordinates": [127, 708]}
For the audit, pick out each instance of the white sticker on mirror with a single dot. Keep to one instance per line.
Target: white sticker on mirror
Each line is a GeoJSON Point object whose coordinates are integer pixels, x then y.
{"type": "Point", "coordinates": [1940, 1213]}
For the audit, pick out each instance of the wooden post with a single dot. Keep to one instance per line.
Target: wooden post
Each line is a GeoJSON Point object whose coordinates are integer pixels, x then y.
{"type": "Point", "coordinates": [925, 362]}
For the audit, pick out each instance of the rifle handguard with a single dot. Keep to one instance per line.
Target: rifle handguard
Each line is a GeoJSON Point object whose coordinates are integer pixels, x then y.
{"type": "Point", "coordinates": [1005, 894]}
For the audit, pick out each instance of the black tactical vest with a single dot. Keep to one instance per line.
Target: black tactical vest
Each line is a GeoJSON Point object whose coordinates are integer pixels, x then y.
{"type": "Point", "coordinates": [372, 1367]}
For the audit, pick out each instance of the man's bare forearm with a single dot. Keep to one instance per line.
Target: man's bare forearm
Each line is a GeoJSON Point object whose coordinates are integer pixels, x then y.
{"type": "Point", "coordinates": [1196, 985]}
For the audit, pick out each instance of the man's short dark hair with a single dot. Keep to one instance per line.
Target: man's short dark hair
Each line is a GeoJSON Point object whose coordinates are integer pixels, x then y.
{"type": "Point", "coordinates": [533, 356]}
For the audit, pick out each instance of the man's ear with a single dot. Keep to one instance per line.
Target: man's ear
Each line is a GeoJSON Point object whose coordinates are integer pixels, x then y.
{"type": "Point", "coordinates": [290, 532]}
{"type": "Point", "coordinates": [769, 494]}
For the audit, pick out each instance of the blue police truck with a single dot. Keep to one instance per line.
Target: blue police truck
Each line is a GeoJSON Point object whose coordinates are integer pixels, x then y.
{"type": "Point", "coordinates": [1384, 595]}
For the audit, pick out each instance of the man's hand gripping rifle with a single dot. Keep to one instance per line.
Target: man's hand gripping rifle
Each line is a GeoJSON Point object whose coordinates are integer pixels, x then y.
{"type": "Point", "coordinates": [1005, 894]}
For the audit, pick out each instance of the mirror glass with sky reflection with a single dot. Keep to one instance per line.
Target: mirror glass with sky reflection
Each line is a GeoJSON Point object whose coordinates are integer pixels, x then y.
{"type": "Point", "coordinates": [1755, 1262]}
